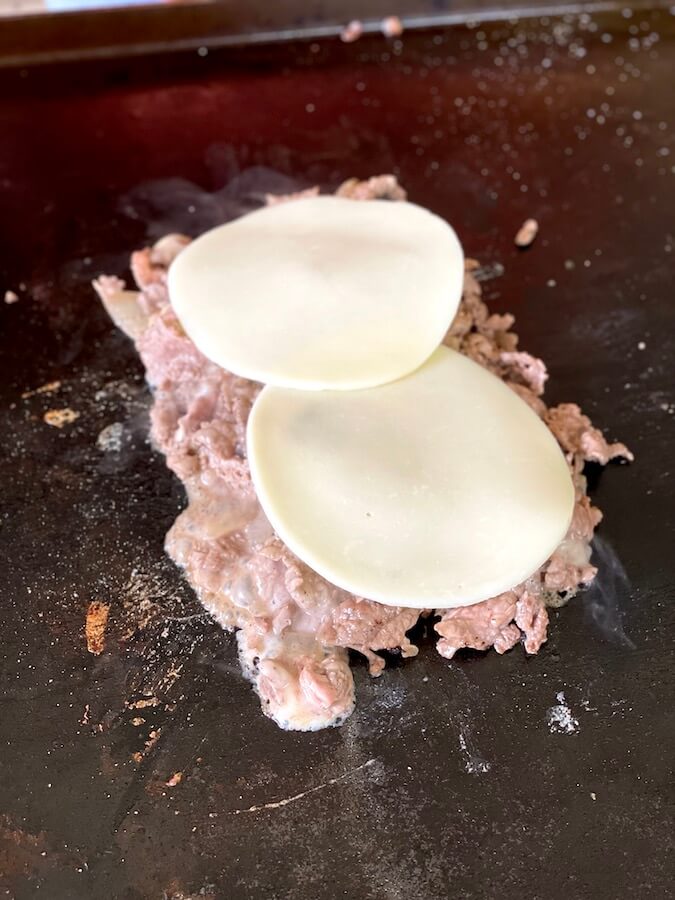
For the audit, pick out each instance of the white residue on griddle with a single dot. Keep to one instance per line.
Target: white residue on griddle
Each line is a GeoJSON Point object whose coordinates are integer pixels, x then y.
{"type": "Point", "coordinates": [110, 438]}
{"type": "Point", "coordinates": [559, 718]}
{"type": "Point", "coordinates": [609, 592]}
{"type": "Point", "coordinates": [473, 763]}
{"type": "Point", "coordinates": [391, 697]}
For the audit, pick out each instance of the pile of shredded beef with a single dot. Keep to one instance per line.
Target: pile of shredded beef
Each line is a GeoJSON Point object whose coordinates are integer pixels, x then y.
{"type": "Point", "coordinates": [294, 628]}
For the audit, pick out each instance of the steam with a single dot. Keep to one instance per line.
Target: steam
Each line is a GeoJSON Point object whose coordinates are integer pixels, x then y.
{"type": "Point", "coordinates": [611, 588]}
{"type": "Point", "coordinates": [177, 205]}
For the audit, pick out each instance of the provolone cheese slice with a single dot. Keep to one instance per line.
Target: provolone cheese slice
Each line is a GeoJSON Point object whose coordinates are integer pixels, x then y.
{"type": "Point", "coordinates": [321, 293]}
{"type": "Point", "coordinates": [441, 489]}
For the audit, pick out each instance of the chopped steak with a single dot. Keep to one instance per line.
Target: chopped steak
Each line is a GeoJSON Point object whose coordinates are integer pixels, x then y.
{"type": "Point", "coordinates": [526, 233]}
{"type": "Point", "coordinates": [367, 626]}
{"type": "Point", "coordinates": [532, 619]}
{"type": "Point", "coordinates": [379, 187]}
{"type": "Point", "coordinates": [483, 625]}
{"type": "Point", "coordinates": [294, 628]}
{"type": "Point", "coordinates": [577, 436]}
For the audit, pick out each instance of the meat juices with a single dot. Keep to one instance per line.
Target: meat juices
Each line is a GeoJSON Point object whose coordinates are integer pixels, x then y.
{"type": "Point", "coordinates": [294, 628]}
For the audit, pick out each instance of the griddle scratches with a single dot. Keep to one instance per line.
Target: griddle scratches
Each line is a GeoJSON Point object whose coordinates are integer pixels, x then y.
{"type": "Point", "coordinates": [277, 804]}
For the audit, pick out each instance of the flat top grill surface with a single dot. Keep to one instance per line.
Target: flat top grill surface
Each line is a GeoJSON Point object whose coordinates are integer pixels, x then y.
{"type": "Point", "coordinates": [448, 777]}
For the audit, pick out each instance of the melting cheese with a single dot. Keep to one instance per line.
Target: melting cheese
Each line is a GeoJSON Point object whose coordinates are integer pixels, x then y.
{"type": "Point", "coordinates": [321, 293]}
{"type": "Point", "coordinates": [440, 489]}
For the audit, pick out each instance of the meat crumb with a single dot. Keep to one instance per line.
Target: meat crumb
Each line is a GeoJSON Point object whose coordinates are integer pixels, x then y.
{"type": "Point", "coordinates": [392, 26]}
{"type": "Point", "coordinates": [95, 626]}
{"type": "Point", "coordinates": [11, 297]}
{"type": "Point", "coordinates": [579, 439]}
{"type": "Point", "coordinates": [48, 388]}
{"type": "Point", "coordinates": [144, 703]}
{"type": "Point", "coordinates": [378, 187]}
{"type": "Point", "coordinates": [138, 720]}
{"type": "Point", "coordinates": [153, 737]}
{"type": "Point", "coordinates": [57, 418]}
{"type": "Point", "coordinates": [175, 779]}
{"type": "Point", "coordinates": [526, 233]}
{"type": "Point", "coordinates": [351, 32]}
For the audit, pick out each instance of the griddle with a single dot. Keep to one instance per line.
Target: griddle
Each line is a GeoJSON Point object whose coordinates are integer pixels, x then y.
{"type": "Point", "coordinates": [450, 778]}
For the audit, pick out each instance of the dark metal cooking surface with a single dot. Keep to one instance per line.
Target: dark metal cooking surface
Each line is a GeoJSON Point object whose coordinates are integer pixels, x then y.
{"type": "Point", "coordinates": [449, 779]}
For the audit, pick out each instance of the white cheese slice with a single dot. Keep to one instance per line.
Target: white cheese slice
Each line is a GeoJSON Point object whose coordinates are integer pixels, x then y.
{"type": "Point", "coordinates": [438, 490]}
{"type": "Point", "coordinates": [321, 293]}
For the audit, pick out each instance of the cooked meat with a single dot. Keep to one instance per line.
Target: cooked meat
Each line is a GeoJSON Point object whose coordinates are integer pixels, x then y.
{"type": "Point", "coordinates": [379, 187]}
{"type": "Point", "coordinates": [481, 626]}
{"type": "Point", "coordinates": [526, 233]}
{"type": "Point", "coordinates": [295, 627]}
{"type": "Point", "coordinates": [577, 436]}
